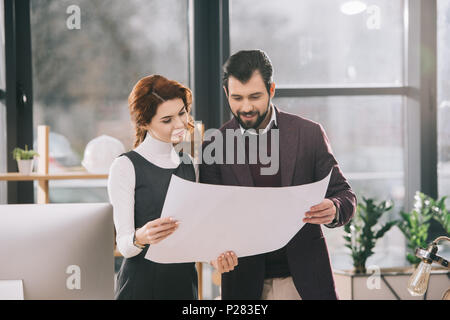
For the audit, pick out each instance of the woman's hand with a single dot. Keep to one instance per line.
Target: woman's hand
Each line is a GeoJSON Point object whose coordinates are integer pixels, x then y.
{"type": "Point", "coordinates": [156, 230]}
{"type": "Point", "coordinates": [225, 262]}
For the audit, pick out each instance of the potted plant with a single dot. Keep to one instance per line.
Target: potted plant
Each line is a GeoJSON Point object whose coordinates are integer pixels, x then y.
{"type": "Point", "coordinates": [441, 214]}
{"type": "Point", "coordinates": [363, 231]}
{"type": "Point", "coordinates": [24, 159]}
{"type": "Point", "coordinates": [416, 223]}
{"type": "Point", "coordinates": [361, 235]}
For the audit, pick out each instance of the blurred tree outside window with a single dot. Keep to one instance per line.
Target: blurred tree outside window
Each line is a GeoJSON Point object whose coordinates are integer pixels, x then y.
{"type": "Point", "coordinates": [84, 70]}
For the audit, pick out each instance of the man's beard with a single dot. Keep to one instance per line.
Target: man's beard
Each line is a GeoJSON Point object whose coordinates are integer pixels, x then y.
{"type": "Point", "coordinates": [260, 118]}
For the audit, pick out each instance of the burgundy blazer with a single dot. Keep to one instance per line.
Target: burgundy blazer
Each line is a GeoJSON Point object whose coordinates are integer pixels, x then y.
{"type": "Point", "coordinates": [305, 157]}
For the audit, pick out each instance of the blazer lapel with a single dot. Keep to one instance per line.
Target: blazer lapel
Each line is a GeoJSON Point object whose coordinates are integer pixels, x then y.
{"type": "Point", "coordinates": [288, 148]}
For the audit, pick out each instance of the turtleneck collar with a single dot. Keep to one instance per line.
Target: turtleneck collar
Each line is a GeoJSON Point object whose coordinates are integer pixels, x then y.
{"type": "Point", "coordinates": [158, 152]}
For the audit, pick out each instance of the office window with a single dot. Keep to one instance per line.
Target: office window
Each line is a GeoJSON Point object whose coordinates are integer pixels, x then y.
{"type": "Point", "coordinates": [443, 113]}
{"type": "Point", "coordinates": [3, 155]}
{"type": "Point", "coordinates": [377, 140]}
{"type": "Point", "coordinates": [324, 42]}
{"type": "Point", "coordinates": [339, 49]}
{"type": "Point", "coordinates": [87, 56]}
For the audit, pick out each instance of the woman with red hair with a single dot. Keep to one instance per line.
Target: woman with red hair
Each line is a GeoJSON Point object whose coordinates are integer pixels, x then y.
{"type": "Point", "coordinates": [137, 186]}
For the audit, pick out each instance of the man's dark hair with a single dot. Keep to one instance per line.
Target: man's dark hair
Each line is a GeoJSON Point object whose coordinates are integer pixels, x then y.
{"type": "Point", "coordinates": [242, 64]}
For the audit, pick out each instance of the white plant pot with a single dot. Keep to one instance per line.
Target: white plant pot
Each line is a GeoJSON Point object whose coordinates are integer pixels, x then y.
{"type": "Point", "coordinates": [25, 166]}
{"type": "Point", "coordinates": [389, 284]}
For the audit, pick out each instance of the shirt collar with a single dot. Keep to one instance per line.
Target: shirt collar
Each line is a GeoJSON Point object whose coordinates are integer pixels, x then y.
{"type": "Point", "coordinates": [272, 122]}
{"type": "Point", "coordinates": [155, 150]}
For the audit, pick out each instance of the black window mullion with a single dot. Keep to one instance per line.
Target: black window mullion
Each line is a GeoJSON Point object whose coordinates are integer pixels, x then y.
{"type": "Point", "coordinates": [19, 101]}
{"type": "Point", "coordinates": [211, 48]}
{"type": "Point", "coordinates": [291, 92]}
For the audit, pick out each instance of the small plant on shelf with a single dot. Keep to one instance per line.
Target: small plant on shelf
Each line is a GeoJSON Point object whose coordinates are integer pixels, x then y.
{"type": "Point", "coordinates": [24, 159]}
{"type": "Point", "coordinates": [24, 154]}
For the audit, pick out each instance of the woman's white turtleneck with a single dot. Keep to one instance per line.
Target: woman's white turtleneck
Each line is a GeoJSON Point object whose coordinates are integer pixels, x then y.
{"type": "Point", "coordinates": [121, 183]}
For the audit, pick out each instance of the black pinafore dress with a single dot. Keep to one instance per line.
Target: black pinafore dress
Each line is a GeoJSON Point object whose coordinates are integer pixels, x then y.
{"type": "Point", "coordinates": [142, 279]}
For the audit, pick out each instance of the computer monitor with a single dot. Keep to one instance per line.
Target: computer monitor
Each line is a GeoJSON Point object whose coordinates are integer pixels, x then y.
{"type": "Point", "coordinates": [59, 251]}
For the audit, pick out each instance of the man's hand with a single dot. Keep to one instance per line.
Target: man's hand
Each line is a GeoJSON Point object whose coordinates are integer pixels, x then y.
{"type": "Point", "coordinates": [225, 262]}
{"type": "Point", "coordinates": [322, 213]}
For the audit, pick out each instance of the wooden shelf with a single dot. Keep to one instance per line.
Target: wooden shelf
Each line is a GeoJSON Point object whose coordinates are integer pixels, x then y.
{"type": "Point", "coordinates": [44, 178]}
{"type": "Point", "coordinates": [15, 176]}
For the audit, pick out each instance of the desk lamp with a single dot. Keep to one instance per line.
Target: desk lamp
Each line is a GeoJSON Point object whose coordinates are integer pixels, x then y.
{"type": "Point", "coordinates": [418, 283]}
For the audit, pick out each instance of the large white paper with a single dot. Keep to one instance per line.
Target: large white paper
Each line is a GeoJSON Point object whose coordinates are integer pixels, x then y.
{"type": "Point", "coordinates": [247, 220]}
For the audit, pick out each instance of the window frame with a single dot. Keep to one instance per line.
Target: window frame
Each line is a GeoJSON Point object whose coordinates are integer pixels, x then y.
{"type": "Point", "coordinates": [19, 93]}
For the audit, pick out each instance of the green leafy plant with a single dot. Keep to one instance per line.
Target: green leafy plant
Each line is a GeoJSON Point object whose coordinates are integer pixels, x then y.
{"type": "Point", "coordinates": [363, 231]}
{"type": "Point", "coordinates": [441, 214]}
{"type": "Point", "coordinates": [21, 154]}
{"type": "Point", "coordinates": [416, 223]}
